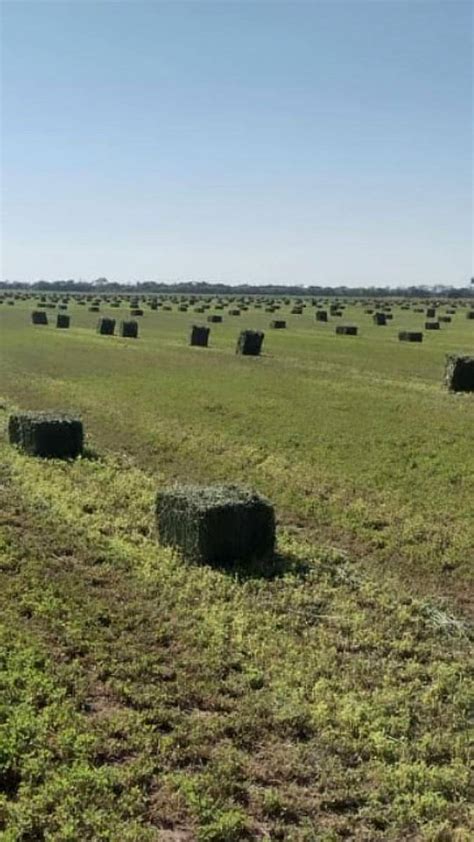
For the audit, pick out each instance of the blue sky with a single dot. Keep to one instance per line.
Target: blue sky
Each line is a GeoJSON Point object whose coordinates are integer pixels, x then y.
{"type": "Point", "coordinates": [305, 142]}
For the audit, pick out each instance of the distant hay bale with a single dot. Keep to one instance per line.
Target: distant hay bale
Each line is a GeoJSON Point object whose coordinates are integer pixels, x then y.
{"type": "Point", "coordinates": [39, 317]}
{"type": "Point", "coordinates": [199, 336]}
{"type": "Point", "coordinates": [379, 319]}
{"type": "Point", "coordinates": [431, 313]}
{"type": "Point", "coordinates": [234, 312]}
{"type": "Point", "coordinates": [432, 325]}
{"type": "Point", "coordinates": [46, 434]}
{"type": "Point", "coordinates": [106, 327]}
{"type": "Point", "coordinates": [278, 324]}
{"type": "Point", "coordinates": [128, 329]}
{"type": "Point", "coordinates": [136, 311]}
{"type": "Point", "coordinates": [63, 321]}
{"type": "Point", "coordinates": [347, 330]}
{"type": "Point", "coordinates": [410, 336]}
{"type": "Point", "coordinates": [459, 373]}
{"type": "Point", "coordinates": [321, 315]}
{"type": "Point", "coordinates": [214, 319]}
{"type": "Point", "coordinates": [445, 319]}
{"type": "Point", "coordinates": [217, 524]}
{"type": "Point", "coordinates": [249, 343]}
{"type": "Point", "coordinates": [94, 308]}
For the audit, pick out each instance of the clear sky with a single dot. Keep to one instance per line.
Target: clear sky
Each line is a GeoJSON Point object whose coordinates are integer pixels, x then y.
{"type": "Point", "coordinates": [273, 142]}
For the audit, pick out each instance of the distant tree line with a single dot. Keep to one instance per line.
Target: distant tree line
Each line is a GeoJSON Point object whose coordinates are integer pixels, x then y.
{"type": "Point", "coordinates": [204, 288]}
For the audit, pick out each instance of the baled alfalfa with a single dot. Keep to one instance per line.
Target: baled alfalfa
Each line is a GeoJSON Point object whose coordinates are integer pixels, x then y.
{"type": "Point", "coordinates": [94, 308]}
{"type": "Point", "coordinates": [199, 335]}
{"type": "Point", "coordinates": [50, 435]}
{"type": "Point", "coordinates": [470, 314]}
{"type": "Point", "coordinates": [379, 319]}
{"type": "Point", "coordinates": [214, 319]}
{"type": "Point", "coordinates": [128, 329]}
{"type": "Point", "coordinates": [459, 373]}
{"type": "Point", "coordinates": [136, 311]}
{"type": "Point", "coordinates": [445, 319]}
{"type": "Point", "coordinates": [346, 330]}
{"type": "Point", "coordinates": [432, 325]}
{"type": "Point", "coordinates": [278, 324]}
{"type": "Point", "coordinates": [234, 312]}
{"type": "Point", "coordinates": [216, 524]}
{"type": "Point", "coordinates": [430, 312]}
{"type": "Point", "coordinates": [249, 343]}
{"type": "Point", "coordinates": [63, 321]}
{"type": "Point", "coordinates": [106, 326]}
{"type": "Point", "coordinates": [321, 315]}
{"type": "Point", "coordinates": [410, 336]}
{"type": "Point", "coordinates": [39, 317]}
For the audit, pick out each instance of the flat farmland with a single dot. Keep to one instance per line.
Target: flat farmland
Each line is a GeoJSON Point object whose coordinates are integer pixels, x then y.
{"type": "Point", "coordinates": [146, 698]}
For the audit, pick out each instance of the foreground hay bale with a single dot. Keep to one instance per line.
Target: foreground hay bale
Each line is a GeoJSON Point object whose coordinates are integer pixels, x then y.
{"type": "Point", "coordinates": [129, 329]}
{"type": "Point", "coordinates": [62, 320]}
{"type": "Point", "coordinates": [410, 336]}
{"type": "Point", "coordinates": [249, 343]}
{"type": "Point", "coordinates": [199, 336]}
{"type": "Point", "coordinates": [347, 330]}
{"type": "Point", "coordinates": [278, 324]}
{"type": "Point", "coordinates": [46, 434]}
{"type": "Point", "coordinates": [106, 327]}
{"type": "Point", "coordinates": [459, 373]}
{"type": "Point", "coordinates": [216, 524]}
{"type": "Point", "coordinates": [39, 317]}
{"type": "Point", "coordinates": [379, 319]}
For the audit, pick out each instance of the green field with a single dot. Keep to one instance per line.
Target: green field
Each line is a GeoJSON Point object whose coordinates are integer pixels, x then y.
{"type": "Point", "coordinates": [147, 699]}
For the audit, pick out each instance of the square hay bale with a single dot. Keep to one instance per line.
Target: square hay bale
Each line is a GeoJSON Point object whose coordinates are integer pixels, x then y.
{"type": "Point", "coordinates": [39, 317]}
{"type": "Point", "coordinates": [50, 435]}
{"type": "Point", "coordinates": [410, 336]}
{"type": "Point", "coordinates": [432, 325]}
{"type": "Point", "coordinates": [128, 329]}
{"type": "Point", "coordinates": [214, 319]}
{"type": "Point", "coordinates": [470, 314]}
{"type": "Point", "coordinates": [136, 311]}
{"type": "Point", "coordinates": [296, 311]}
{"type": "Point", "coordinates": [379, 319]}
{"type": "Point", "coordinates": [459, 373]}
{"type": "Point", "coordinates": [431, 313]}
{"type": "Point", "coordinates": [278, 324]}
{"type": "Point", "coordinates": [106, 327]}
{"type": "Point", "coordinates": [199, 335]}
{"type": "Point", "coordinates": [94, 308]}
{"type": "Point", "coordinates": [62, 320]}
{"type": "Point", "coordinates": [249, 343]}
{"type": "Point", "coordinates": [445, 319]}
{"type": "Point", "coordinates": [216, 524]}
{"type": "Point", "coordinates": [234, 312]}
{"type": "Point", "coordinates": [347, 330]}
{"type": "Point", "coordinates": [321, 315]}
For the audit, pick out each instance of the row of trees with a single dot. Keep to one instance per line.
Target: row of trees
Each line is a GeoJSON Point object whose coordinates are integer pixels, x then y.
{"type": "Point", "coordinates": [204, 288]}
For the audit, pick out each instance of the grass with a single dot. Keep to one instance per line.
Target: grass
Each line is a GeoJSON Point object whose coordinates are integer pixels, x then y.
{"type": "Point", "coordinates": [143, 698]}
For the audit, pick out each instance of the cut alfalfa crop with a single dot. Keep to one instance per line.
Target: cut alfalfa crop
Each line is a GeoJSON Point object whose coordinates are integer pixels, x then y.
{"type": "Point", "coordinates": [199, 335]}
{"type": "Point", "coordinates": [128, 329]}
{"type": "Point", "coordinates": [410, 336]}
{"type": "Point", "coordinates": [459, 373]}
{"type": "Point", "coordinates": [249, 343]}
{"type": "Point", "coordinates": [106, 327]}
{"type": "Point", "coordinates": [39, 317]}
{"type": "Point", "coordinates": [46, 434]}
{"type": "Point", "coordinates": [63, 321]}
{"type": "Point", "coordinates": [216, 524]}
{"type": "Point", "coordinates": [346, 330]}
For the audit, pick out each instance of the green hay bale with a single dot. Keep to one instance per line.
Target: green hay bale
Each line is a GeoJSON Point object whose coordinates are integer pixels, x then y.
{"type": "Point", "coordinates": [217, 524]}
{"type": "Point", "coordinates": [136, 311]}
{"type": "Point", "coordinates": [63, 321]}
{"type": "Point", "coordinates": [431, 313]}
{"type": "Point", "coordinates": [94, 309]}
{"type": "Point", "coordinates": [233, 312]}
{"type": "Point", "coordinates": [459, 373]}
{"type": "Point", "coordinates": [379, 319]}
{"type": "Point", "coordinates": [296, 311]}
{"type": "Point", "coordinates": [39, 317]}
{"type": "Point", "coordinates": [106, 327]}
{"type": "Point", "coordinates": [249, 343]}
{"type": "Point", "coordinates": [199, 336]}
{"type": "Point", "coordinates": [46, 434]}
{"type": "Point", "coordinates": [129, 329]}
{"type": "Point", "coordinates": [410, 336]}
{"type": "Point", "coordinates": [214, 319]}
{"type": "Point", "coordinates": [470, 314]}
{"type": "Point", "coordinates": [432, 325]}
{"type": "Point", "coordinates": [321, 315]}
{"type": "Point", "coordinates": [347, 330]}
{"type": "Point", "coordinates": [278, 324]}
